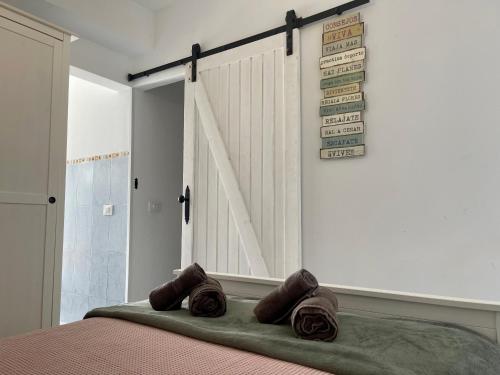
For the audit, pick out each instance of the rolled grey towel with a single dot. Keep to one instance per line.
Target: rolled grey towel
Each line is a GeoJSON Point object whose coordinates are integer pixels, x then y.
{"type": "Point", "coordinates": [169, 296]}
{"type": "Point", "coordinates": [207, 299]}
{"type": "Point", "coordinates": [277, 306]}
{"type": "Point", "coordinates": [315, 318]}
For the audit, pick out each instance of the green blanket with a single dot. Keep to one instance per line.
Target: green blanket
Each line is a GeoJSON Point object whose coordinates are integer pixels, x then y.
{"type": "Point", "coordinates": [365, 346]}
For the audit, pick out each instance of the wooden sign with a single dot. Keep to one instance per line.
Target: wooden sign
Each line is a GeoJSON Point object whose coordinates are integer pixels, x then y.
{"type": "Point", "coordinates": [342, 71]}
{"type": "Point", "coordinates": [342, 45]}
{"type": "Point", "coordinates": [344, 152]}
{"type": "Point", "coordinates": [354, 67]}
{"type": "Point", "coordinates": [342, 90]}
{"type": "Point", "coordinates": [342, 80]}
{"type": "Point", "coordinates": [341, 108]}
{"type": "Point", "coordinates": [341, 22]}
{"type": "Point", "coordinates": [343, 118]}
{"type": "Point", "coordinates": [343, 141]}
{"type": "Point", "coordinates": [349, 98]}
{"type": "Point", "coordinates": [345, 57]}
{"type": "Point", "coordinates": [346, 32]}
{"type": "Point", "coordinates": [342, 129]}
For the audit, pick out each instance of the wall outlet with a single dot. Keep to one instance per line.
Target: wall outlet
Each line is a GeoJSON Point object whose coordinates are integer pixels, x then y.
{"type": "Point", "coordinates": [154, 206]}
{"type": "Point", "coordinates": [107, 210]}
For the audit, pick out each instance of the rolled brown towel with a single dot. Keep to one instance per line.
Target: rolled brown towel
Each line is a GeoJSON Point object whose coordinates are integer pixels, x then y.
{"type": "Point", "coordinates": [315, 318]}
{"type": "Point", "coordinates": [277, 306]}
{"type": "Point", "coordinates": [169, 296]}
{"type": "Point", "coordinates": [207, 299]}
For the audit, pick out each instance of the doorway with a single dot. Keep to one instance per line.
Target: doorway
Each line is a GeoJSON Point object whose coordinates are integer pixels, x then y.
{"type": "Point", "coordinates": [95, 247]}
{"type": "Point", "coordinates": [156, 217]}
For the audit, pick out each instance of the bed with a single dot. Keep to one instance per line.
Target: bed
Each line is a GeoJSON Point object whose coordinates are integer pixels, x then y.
{"type": "Point", "coordinates": [134, 339]}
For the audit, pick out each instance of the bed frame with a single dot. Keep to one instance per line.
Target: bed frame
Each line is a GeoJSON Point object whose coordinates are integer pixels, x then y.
{"type": "Point", "coordinates": [477, 315]}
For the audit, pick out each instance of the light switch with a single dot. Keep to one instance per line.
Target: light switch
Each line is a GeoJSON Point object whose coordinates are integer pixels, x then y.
{"type": "Point", "coordinates": [154, 206]}
{"type": "Point", "coordinates": [107, 210]}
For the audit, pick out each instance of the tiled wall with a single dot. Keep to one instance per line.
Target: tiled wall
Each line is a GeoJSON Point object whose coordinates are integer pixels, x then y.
{"type": "Point", "coordinates": [95, 246]}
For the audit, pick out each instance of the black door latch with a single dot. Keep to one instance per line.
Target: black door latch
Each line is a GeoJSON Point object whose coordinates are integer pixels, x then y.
{"type": "Point", "coordinates": [185, 199]}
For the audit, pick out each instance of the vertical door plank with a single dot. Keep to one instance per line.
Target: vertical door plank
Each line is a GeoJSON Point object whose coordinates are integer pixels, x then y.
{"type": "Point", "coordinates": [202, 192]}
{"type": "Point", "coordinates": [256, 147]}
{"type": "Point", "coordinates": [213, 186]}
{"type": "Point", "coordinates": [279, 164]}
{"type": "Point", "coordinates": [268, 115]}
{"type": "Point", "coordinates": [223, 207]}
{"type": "Point", "coordinates": [213, 180]}
{"type": "Point", "coordinates": [245, 142]}
{"type": "Point", "coordinates": [293, 235]}
{"type": "Point", "coordinates": [195, 193]}
{"type": "Point", "coordinates": [201, 195]}
{"type": "Point", "coordinates": [189, 170]}
{"type": "Point", "coordinates": [234, 155]}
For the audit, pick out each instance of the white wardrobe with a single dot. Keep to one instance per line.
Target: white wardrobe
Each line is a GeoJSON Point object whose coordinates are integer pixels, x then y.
{"type": "Point", "coordinates": [33, 111]}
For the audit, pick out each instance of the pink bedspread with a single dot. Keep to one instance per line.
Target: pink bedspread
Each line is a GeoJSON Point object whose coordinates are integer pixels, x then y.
{"type": "Point", "coordinates": [111, 346]}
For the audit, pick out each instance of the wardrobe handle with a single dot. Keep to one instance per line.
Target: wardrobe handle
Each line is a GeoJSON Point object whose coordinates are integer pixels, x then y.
{"type": "Point", "coordinates": [184, 199]}
{"type": "Point", "coordinates": [52, 200]}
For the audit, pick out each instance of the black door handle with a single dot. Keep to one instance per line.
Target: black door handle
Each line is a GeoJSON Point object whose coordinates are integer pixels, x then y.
{"type": "Point", "coordinates": [185, 199]}
{"type": "Point", "coordinates": [52, 200]}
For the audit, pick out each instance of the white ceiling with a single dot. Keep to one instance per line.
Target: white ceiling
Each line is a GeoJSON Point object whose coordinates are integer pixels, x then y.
{"type": "Point", "coordinates": [154, 5]}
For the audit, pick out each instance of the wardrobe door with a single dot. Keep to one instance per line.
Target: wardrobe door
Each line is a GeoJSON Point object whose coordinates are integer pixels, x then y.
{"type": "Point", "coordinates": [32, 144]}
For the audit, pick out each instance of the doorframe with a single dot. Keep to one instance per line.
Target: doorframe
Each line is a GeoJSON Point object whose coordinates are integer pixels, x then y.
{"type": "Point", "coordinates": [164, 78]}
{"type": "Point", "coordinates": [60, 101]}
{"type": "Point", "coordinates": [293, 232]}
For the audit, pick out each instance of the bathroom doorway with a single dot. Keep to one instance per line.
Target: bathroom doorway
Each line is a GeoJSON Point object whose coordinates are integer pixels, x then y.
{"type": "Point", "coordinates": [96, 222]}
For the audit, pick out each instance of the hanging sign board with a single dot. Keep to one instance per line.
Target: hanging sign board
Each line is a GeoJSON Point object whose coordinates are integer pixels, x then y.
{"type": "Point", "coordinates": [341, 22]}
{"type": "Point", "coordinates": [342, 45]}
{"type": "Point", "coordinates": [349, 98]}
{"type": "Point", "coordinates": [342, 129]}
{"type": "Point", "coordinates": [342, 71]}
{"type": "Point", "coordinates": [343, 141]}
{"type": "Point", "coordinates": [343, 152]}
{"type": "Point", "coordinates": [339, 70]}
{"type": "Point", "coordinates": [346, 32]}
{"type": "Point", "coordinates": [342, 90]}
{"type": "Point", "coordinates": [341, 108]}
{"type": "Point", "coordinates": [345, 57]}
{"type": "Point", "coordinates": [343, 118]}
{"type": "Point", "coordinates": [342, 80]}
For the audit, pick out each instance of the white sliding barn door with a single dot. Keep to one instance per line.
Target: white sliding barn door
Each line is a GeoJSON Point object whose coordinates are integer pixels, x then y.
{"type": "Point", "coordinates": [242, 160]}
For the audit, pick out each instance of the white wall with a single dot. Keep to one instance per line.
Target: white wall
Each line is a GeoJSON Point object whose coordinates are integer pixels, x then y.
{"type": "Point", "coordinates": [99, 113]}
{"type": "Point", "coordinates": [99, 60]}
{"type": "Point", "coordinates": [155, 242]}
{"type": "Point", "coordinates": [421, 211]}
